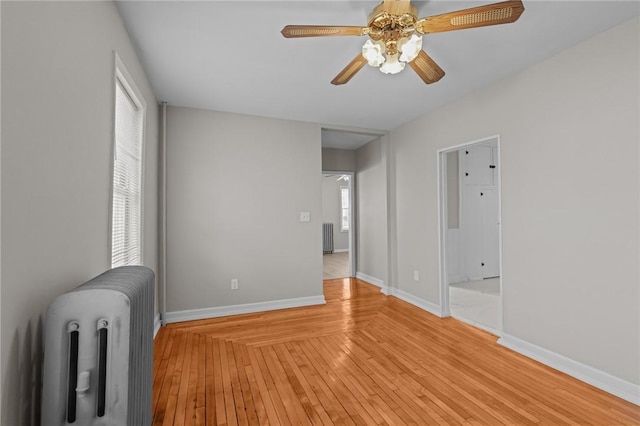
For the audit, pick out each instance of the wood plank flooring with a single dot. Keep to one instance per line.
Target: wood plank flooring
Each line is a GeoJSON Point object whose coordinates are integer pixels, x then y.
{"type": "Point", "coordinates": [361, 359]}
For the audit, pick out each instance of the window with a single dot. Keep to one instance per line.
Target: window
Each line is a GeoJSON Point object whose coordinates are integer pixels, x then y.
{"type": "Point", "coordinates": [344, 204]}
{"type": "Point", "coordinates": [126, 211]}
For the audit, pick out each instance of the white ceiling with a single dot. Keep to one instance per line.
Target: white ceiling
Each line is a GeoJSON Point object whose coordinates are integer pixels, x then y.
{"type": "Point", "coordinates": [230, 56]}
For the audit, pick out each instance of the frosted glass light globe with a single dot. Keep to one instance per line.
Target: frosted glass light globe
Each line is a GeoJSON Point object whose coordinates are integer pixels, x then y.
{"type": "Point", "coordinates": [373, 52]}
{"type": "Point", "coordinates": [410, 47]}
{"type": "Point", "coordinates": [392, 65]}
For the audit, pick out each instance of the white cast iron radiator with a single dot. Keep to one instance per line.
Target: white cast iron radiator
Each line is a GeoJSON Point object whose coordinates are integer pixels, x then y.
{"type": "Point", "coordinates": [98, 344]}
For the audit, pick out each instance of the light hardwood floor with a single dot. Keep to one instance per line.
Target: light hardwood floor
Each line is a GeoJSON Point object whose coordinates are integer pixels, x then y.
{"type": "Point", "coordinates": [335, 265]}
{"type": "Point", "coordinates": [363, 358]}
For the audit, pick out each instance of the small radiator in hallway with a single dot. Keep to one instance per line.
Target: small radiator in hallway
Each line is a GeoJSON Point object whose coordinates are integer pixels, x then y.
{"type": "Point", "coordinates": [98, 344]}
{"type": "Point", "coordinates": [327, 238]}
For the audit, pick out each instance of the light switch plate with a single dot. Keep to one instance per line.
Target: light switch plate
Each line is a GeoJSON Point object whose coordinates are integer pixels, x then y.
{"type": "Point", "coordinates": [305, 216]}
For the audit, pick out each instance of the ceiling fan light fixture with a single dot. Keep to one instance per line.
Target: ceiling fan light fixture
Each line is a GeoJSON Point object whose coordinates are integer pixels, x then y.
{"type": "Point", "coordinates": [373, 52]}
{"type": "Point", "coordinates": [395, 33]}
{"type": "Point", "coordinates": [392, 65]}
{"type": "Point", "coordinates": [409, 48]}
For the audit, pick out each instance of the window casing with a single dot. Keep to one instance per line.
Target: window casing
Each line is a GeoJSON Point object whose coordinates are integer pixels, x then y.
{"type": "Point", "coordinates": [126, 210]}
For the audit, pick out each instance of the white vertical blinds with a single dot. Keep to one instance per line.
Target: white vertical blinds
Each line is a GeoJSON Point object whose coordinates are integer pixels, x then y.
{"type": "Point", "coordinates": [126, 235]}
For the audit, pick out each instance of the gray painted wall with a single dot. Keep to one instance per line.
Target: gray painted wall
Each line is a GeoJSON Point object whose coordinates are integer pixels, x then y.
{"type": "Point", "coordinates": [57, 130]}
{"type": "Point", "coordinates": [371, 183]}
{"type": "Point", "coordinates": [332, 210]}
{"type": "Point", "coordinates": [236, 185]}
{"type": "Point", "coordinates": [570, 192]}
{"type": "Point", "coordinates": [338, 160]}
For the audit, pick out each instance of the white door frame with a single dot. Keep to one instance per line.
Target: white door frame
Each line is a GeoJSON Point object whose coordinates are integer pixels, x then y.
{"type": "Point", "coordinates": [352, 215]}
{"type": "Point", "coordinates": [442, 223]}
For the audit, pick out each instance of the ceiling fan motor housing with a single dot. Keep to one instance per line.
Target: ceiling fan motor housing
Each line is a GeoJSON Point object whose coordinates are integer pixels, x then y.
{"type": "Point", "coordinates": [391, 21]}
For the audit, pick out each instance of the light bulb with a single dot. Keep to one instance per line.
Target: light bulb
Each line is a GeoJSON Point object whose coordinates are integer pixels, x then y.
{"type": "Point", "coordinates": [373, 52]}
{"type": "Point", "coordinates": [391, 65]}
{"type": "Point", "coordinates": [410, 47]}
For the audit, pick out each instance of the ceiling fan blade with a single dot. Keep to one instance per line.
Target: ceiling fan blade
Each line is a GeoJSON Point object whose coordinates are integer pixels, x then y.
{"type": "Point", "coordinates": [294, 31]}
{"type": "Point", "coordinates": [395, 7]}
{"type": "Point", "coordinates": [350, 70]}
{"type": "Point", "coordinates": [426, 68]}
{"type": "Point", "coordinates": [492, 14]}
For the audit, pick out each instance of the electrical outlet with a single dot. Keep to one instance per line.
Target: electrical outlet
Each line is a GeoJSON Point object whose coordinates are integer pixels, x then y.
{"type": "Point", "coordinates": [416, 276]}
{"type": "Point", "coordinates": [234, 284]}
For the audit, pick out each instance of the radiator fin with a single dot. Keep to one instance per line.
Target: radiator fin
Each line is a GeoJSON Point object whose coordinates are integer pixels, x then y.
{"type": "Point", "coordinates": [72, 380]}
{"type": "Point", "coordinates": [103, 334]}
{"type": "Point", "coordinates": [327, 238]}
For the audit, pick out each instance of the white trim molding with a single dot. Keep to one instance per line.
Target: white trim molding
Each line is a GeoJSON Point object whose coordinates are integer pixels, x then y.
{"type": "Point", "coordinates": [372, 280]}
{"type": "Point", "coordinates": [598, 378]}
{"type": "Point", "coordinates": [247, 308]}
{"type": "Point", "coordinates": [476, 324]}
{"type": "Point", "coordinates": [425, 305]}
{"type": "Point", "coordinates": [156, 325]}
{"type": "Point", "coordinates": [341, 250]}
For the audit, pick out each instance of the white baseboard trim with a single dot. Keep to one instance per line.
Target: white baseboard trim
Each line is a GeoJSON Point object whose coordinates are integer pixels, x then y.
{"type": "Point", "coordinates": [341, 250]}
{"type": "Point", "coordinates": [373, 280]}
{"type": "Point", "coordinates": [432, 308]}
{"type": "Point", "coordinates": [598, 378]}
{"type": "Point", "coordinates": [248, 308]}
{"type": "Point", "coordinates": [156, 325]}
{"type": "Point", "coordinates": [476, 324]}
{"type": "Point", "coordinates": [384, 289]}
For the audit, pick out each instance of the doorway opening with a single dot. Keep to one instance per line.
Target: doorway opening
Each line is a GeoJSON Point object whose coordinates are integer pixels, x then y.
{"type": "Point", "coordinates": [470, 233]}
{"type": "Point", "coordinates": [338, 243]}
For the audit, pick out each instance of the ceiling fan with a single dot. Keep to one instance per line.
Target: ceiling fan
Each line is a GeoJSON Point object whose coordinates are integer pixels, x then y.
{"type": "Point", "coordinates": [395, 35]}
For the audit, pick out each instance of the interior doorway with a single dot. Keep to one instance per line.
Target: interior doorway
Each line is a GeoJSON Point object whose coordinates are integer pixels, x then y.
{"type": "Point", "coordinates": [338, 225]}
{"type": "Point", "coordinates": [470, 233]}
